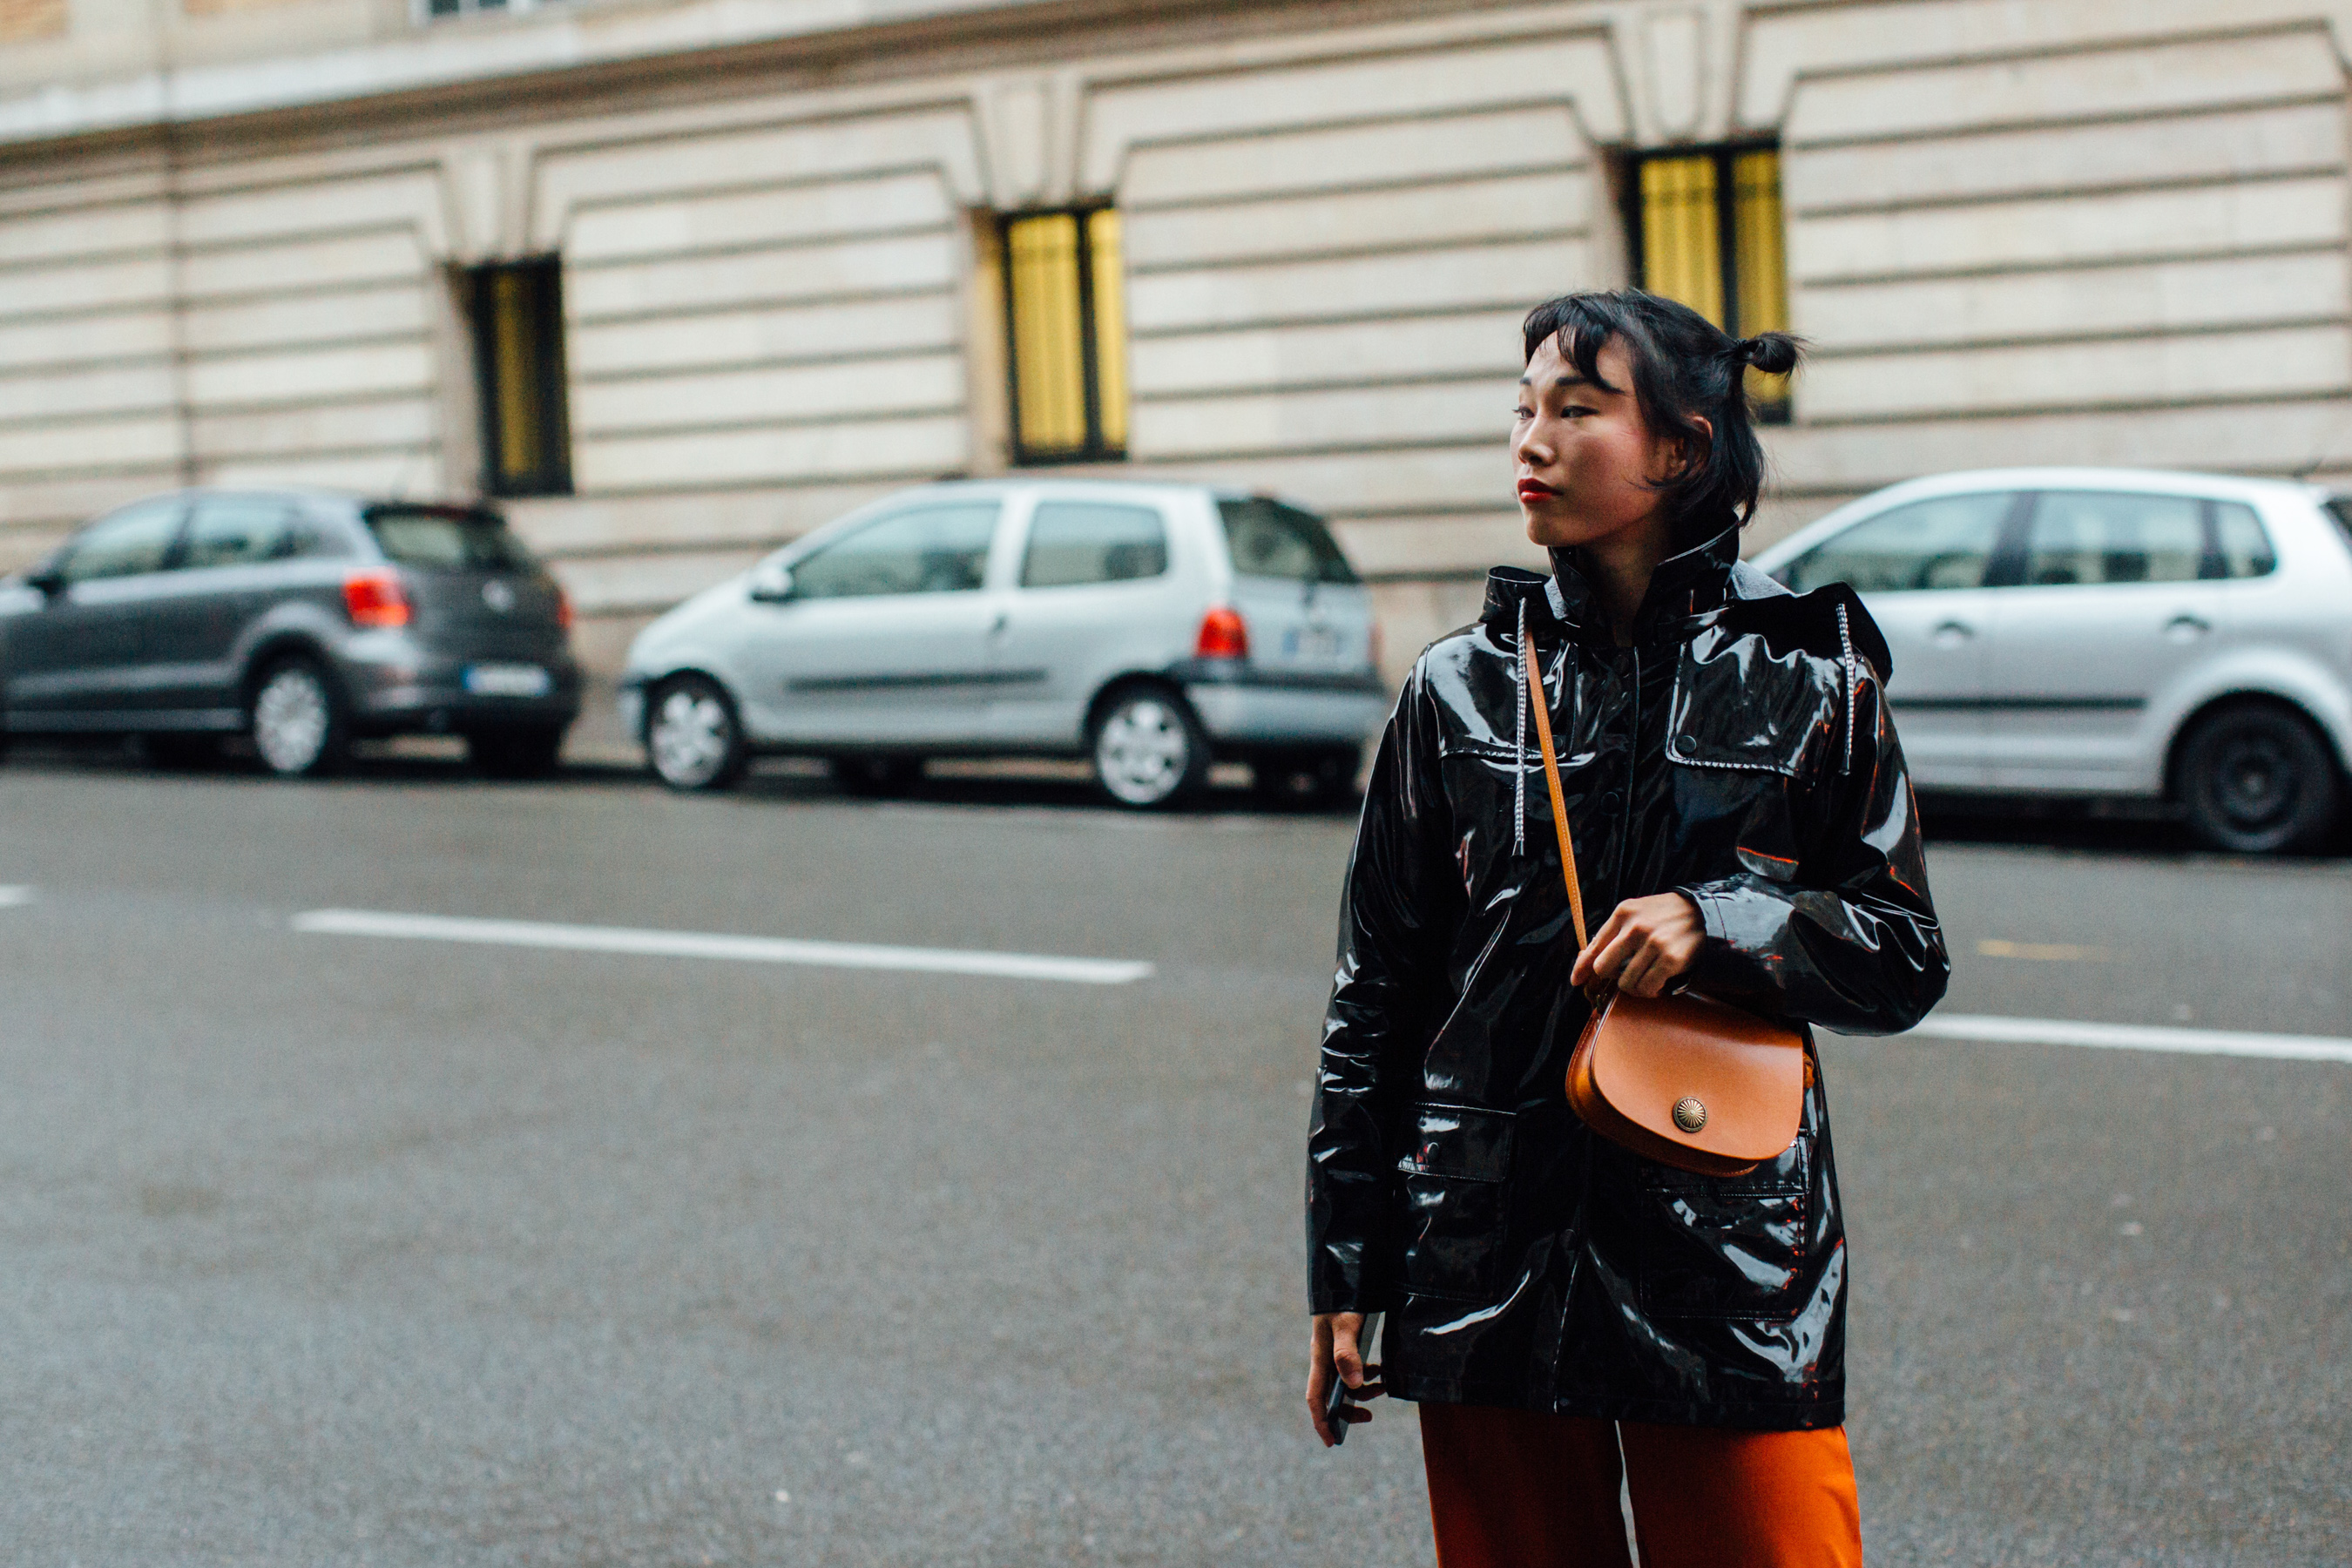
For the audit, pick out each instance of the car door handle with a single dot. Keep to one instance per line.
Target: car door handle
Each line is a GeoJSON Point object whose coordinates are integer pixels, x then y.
{"type": "Point", "coordinates": [2182, 628]}
{"type": "Point", "coordinates": [1952, 634]}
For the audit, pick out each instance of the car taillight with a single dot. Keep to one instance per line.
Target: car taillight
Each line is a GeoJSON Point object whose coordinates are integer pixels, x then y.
{"type": "Point", "coordinates": [1224, 635]}
{"type": "Point", "coordinates": [375, 599]}
{"type": "Point", "coordinates": [562, 609]}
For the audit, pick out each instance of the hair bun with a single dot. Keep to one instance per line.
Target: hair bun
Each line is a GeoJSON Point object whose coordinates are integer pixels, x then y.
{"type": "Point", "coordinates": [1774, 354]}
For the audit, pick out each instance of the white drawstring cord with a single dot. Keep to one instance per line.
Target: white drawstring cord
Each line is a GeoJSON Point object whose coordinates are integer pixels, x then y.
{"type": "Point", "coordinates": [1846, 637]}
{"type": "Point", "coordinates": [1519, 679]}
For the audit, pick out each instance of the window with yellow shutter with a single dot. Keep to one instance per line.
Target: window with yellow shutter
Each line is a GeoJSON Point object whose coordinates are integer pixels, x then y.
{"type": "Point", "coordinates": [1065, 330]}
{"type": "Point", "coordinates": [1706, 229]}
{"type": "Point", "coordinates": [518, 320]}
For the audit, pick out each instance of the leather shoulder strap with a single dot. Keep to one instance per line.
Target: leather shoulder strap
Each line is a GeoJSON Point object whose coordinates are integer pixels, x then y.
{"type": "Point", "coordinates": [1541, 702]}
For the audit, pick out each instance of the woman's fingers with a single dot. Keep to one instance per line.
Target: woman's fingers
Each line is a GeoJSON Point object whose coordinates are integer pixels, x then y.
{"type": "Point", "coordinates": [1588, 967]}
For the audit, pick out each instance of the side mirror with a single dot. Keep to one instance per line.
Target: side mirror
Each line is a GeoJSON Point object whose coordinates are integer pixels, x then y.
{"type": "Point", "coordinates": [771, 582]}
{"type": "Point", "coordinates": [48, 579]}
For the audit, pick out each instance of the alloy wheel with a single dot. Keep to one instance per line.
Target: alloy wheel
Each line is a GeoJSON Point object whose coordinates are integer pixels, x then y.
{"type": "Point", "coordinates": [691, 737]}
{"type": "Point", "coordinates": [293, 720]}
{"type": "Point", "coordinates": [1147, 752]}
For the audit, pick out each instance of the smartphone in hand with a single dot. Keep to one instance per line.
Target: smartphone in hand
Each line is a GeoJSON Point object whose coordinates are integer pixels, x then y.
{"type": "Point", "coordinates": [1342, 1395]}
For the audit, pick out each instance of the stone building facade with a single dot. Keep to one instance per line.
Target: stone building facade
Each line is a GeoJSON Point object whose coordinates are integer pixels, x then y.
{"type": "Point", "coordinates": [253, 240]}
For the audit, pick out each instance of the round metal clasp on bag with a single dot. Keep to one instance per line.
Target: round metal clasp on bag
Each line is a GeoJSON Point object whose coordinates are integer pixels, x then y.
{"type": "Point", "coordinates": [1690, 1113]}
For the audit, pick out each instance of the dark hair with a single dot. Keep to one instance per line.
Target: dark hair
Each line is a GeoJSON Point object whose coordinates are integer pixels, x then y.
{"type": "Point", "coordinates": [1684, 366]}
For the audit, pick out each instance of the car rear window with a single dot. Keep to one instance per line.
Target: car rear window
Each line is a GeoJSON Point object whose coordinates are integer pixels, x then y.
{"type": "Point", "coordinates": [458, 538]}
{"type": "Point", "coordinates": [1268, 539]}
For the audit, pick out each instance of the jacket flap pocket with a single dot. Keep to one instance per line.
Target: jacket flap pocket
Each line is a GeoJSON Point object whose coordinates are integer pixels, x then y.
{"type": "Point", "coordinates": [1719, 717]}
{"type": "Point", "coordinates": [1460, 1141]}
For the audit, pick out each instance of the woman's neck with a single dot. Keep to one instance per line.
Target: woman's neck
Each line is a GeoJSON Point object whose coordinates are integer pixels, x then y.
{"type": "Point", "coordinates": [1620, 568]}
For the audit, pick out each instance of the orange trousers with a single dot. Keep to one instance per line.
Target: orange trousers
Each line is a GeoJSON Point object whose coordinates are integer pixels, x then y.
{"type": "Point", "coordinates": [1513, 1488]}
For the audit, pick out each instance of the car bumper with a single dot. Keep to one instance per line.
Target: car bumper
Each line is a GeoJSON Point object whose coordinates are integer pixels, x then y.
{"type": "Point", "coordinates": [1243, 708]}
{"type": "Point", "coordinates": [431, 694]}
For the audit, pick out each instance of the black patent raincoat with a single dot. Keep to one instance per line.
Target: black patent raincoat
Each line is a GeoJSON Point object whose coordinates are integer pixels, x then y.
{"type": "Point", "coordinates": [1740, 753]}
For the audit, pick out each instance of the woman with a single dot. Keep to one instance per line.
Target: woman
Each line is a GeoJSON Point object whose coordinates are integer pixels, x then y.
{"type": "Point", "coordinates": [1566, 1313]}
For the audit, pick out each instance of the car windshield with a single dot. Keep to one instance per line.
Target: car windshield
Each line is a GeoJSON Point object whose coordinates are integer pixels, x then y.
{"type": "Point", "coordinates": [458, 538]}
{"type": "Point", "coordinates": [1268, 539]}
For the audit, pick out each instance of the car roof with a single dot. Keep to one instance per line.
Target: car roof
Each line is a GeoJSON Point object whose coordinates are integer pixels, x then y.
{"type": "Point", "coordinates": [1005, 484]}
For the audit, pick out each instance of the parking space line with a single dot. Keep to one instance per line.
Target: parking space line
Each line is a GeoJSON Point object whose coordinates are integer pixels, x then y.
{"type": "Point", "coordinates": [741, 949]}
{"type": "Point", "coordinates": [1995, 1029]}
{"type": "Point", "coordinates": [10, 897]}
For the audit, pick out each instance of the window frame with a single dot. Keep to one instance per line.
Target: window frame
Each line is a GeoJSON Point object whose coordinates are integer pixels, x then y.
{"type": "Point", "coordinates": [1096, 447]}
{"type": "Point", "coordinates": [1725, 156]}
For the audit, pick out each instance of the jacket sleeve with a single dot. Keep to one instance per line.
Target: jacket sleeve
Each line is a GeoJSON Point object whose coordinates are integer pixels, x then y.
{"type": "Point", "coordinates": [1393, 926]}
{"type": "Point", "coordinates": [1851, 941]}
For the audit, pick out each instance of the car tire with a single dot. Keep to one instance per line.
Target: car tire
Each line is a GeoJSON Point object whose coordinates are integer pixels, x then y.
{"type": "Point", "coordinates": [1150, 751]}
{"type": "Point", "coordinates": [298, 719]}
{"type": "Point", "coordinates": [693, 738]}
{"type": "Point", "coordinates": [2256, 778]}
{"type": "Point", "coordinates": [880, 777]}
{"type": "Point", "coordinates": [527, 751]}
{"type": "Point", "coordinates": [1320, 776]}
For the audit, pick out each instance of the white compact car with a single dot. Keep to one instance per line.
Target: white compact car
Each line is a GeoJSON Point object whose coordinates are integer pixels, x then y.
{"type": "Point", "coordinates": [1153, 627]}
{"type": "Point", "coordinates": [2109, 632]}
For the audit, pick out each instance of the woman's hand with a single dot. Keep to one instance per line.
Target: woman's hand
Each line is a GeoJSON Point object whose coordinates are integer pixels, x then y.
{"type": "Point", "coordinates": [1334, 1352]}
{"type": "Point", "coordinates": [1645, 946]}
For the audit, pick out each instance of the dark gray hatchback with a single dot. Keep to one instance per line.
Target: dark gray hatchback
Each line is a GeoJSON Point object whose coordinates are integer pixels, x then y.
{"type": "Point", "coordinates": [305, 619]}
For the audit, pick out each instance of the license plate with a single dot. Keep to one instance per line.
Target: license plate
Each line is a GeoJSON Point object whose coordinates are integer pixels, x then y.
{"type": "Point", "coordinates": [508, 680]}
{"type": "Point", "coordinates": [1312, 642]}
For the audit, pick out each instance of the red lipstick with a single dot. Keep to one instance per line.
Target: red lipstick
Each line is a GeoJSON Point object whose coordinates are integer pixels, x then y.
{"type": "Point", "coordinates": [1535, 490]}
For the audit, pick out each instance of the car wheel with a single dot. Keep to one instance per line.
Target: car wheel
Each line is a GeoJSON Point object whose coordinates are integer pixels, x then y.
{"type": "Point", "coordinates": [1149, 751]}
{"type": "Point", "coordinates": [527, 753]}
{"type": "Point", "coordinates": [2258, 780]}
{"type": "Point", "coordinates": [878, 777]}
{"type": "Point", "coordinates": [297, 721]}
{"type": "Point", "coordinates": [1313, 778]}
{"type": "Point", "coordinates": [692, 735]}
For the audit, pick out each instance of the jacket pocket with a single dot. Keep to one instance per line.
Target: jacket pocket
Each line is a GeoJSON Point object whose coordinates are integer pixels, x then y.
{"type": "Point", "coordinates": [1730, 1247]}
{"type": "Point", "coordinates": [1455, 1183]}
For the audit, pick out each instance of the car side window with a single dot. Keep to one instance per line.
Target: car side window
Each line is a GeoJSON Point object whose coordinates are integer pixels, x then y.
{"type": "Point", "coordinates": [2095, 536]}
{"type": "Point", "coordinates": [238, 531]}
{"type": "Point", "coordinates": [2241, 547]}
{"type": "Point", "coordinates": [1941, 544]}
{"type": "Point", "coordinates": [929, 550]}
{"type": "Point", "coordinates": [1071, 543]}
{"type": "Point", "coordinates": [125, 543]}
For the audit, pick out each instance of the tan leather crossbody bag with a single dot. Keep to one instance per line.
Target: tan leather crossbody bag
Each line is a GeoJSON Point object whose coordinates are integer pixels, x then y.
{"type": "Point", "coordinates": [1684, 1080]}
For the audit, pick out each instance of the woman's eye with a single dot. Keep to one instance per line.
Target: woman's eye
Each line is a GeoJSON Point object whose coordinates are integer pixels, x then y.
{"type": "Point", "coordinates": [1523, 413]}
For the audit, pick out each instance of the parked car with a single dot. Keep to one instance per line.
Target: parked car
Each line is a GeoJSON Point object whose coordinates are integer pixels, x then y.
{"type": "Point", "coordinates": [2182, 637]}
{"type": "Point", "coordinates": [303, 618]}
{"type": "Point", "coordinates": [1153, 627]}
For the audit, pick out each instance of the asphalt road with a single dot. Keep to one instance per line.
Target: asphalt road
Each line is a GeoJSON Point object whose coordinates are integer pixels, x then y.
{"type": "Point", "coordinates": [322, 1249]}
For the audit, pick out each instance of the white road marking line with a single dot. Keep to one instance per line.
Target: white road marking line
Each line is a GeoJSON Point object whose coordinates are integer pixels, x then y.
{"type": "Point", "coordinates": [743, 949]}
{"type": "Point", "coordinates": [10, 897]}
{"type": "Point", "coordinates": [1995, 1029]}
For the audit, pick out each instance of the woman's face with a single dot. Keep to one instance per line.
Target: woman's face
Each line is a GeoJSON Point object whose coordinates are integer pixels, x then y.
{"type": "Point", "coordinates": [1587, 461]}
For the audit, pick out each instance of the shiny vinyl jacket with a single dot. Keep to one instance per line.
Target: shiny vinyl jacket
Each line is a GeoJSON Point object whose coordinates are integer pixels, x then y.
{"type": "Point", "coordinates": [1739, 752]}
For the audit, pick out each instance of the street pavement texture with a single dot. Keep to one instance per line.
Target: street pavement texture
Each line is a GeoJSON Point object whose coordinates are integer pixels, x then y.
{"type": "Point", "coordinates": [334, 1248]}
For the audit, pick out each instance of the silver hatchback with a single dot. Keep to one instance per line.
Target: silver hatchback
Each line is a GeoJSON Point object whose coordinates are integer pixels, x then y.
{"type": "Point", "coordinates": [2104, 632]}
{"type": "Point", "coordinates": [1153, 628]}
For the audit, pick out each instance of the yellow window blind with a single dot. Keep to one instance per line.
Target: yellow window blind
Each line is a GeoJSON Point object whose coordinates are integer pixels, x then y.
{"type": "Point", "coordinates": [1048, 333]}
{"type": "Point", "coordinates": [1682, 240]}
{"type": "Point", "coordinates": [1106, 274]}
{"type": "Point", "coordinates": [1759, 263]}
{"type": "Point", "coordinates": [514, 373]}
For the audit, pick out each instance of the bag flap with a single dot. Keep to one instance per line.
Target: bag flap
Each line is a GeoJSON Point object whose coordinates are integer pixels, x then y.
{"type": "Point", "coordinates": [1746, 1073]}
{"type": "Point", "coordinates": [1460, 1141]}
